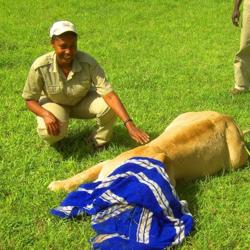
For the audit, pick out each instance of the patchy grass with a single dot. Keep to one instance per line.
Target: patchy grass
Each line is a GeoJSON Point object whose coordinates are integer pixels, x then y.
{"type": "Point", "coordinates": [163, 58]}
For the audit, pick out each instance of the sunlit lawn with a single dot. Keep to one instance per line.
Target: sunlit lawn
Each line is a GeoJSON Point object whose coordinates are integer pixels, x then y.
{"type": "Point", "coordinates": [163, 58]}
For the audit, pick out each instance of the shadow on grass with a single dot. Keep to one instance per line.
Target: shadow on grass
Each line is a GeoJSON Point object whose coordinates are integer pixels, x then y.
{"type": "Point", "coordinates": [190, 191]}
{"type": "Point", "coordinates": [75, 145]}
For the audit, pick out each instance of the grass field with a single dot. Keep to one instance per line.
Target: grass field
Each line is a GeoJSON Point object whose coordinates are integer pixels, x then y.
{"type": "Point", "coordinates": [163, 58]}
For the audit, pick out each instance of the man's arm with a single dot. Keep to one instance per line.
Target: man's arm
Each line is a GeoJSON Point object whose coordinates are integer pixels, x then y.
{"type": "Point", "coordinates": [115, 103]}
{"type": "Point", "coordinates": [236, 12]}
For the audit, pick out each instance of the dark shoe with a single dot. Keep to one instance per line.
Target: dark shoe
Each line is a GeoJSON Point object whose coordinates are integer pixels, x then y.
{"type": "Point", "coordinates": [97, 148]}
{"type": "Point", "coordinates": [89, 140]}
{"type": "Point", "coordinates": [235, 91]}
{"type": "Point", "coordinates": [100, 148]}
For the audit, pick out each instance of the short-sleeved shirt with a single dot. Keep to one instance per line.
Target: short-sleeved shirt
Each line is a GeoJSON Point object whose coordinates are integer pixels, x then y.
{"type": "Point", "coordinates": [46, 79]}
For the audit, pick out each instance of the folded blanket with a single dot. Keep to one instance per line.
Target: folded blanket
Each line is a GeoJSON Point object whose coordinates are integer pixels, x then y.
{"type": "Point", "coordinates": [135, 207]}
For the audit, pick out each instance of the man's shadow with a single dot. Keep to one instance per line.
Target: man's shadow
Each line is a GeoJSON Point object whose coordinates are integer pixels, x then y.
{"type": "Point", "coordinates": [75, 145]}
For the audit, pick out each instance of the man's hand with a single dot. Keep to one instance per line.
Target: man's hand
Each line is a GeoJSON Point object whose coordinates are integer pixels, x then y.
{"type": "Point", "coordinates": [236, 12]}
{"type": "Point", "coordinates": [236, 17]}
{"type": "Point", "coordinates": [138, 135]}
{"type": "Point", "coordinates": [52, 124]}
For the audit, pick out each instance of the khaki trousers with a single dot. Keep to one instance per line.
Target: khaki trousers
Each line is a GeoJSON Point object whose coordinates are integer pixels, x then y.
{"type": "Point", "coordinates": [92, 106]}
{"type": "Point", "coordinates": [242, 58]}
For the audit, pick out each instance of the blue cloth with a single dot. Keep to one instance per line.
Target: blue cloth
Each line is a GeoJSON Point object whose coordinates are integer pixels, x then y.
{"type": "Point", "coordinates": [135, 207]}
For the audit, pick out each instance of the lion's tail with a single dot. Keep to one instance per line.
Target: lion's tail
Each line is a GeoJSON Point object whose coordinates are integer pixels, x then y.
{"type": "Point", "coordinates": [246, 131]}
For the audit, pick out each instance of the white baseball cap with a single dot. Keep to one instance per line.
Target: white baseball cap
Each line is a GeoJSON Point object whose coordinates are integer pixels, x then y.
{"type": "Point", "coordinates": [61, 27]}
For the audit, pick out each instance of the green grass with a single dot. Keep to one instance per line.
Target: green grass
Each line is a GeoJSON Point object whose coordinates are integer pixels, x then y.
{"type": "Point", "coordinates": [163, 58]}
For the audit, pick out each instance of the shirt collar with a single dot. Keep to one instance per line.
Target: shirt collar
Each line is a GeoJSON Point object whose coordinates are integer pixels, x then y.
{"type": "Point", "coordinates": [76, 67]}
{"type": "Point", "coordinates": [54, 67]}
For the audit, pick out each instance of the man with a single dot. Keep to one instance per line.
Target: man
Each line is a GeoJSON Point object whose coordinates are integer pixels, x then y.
{"type": "Point", "coordinates": [68, 83]}
{"type": "Point", "coordinates": [242, 58]}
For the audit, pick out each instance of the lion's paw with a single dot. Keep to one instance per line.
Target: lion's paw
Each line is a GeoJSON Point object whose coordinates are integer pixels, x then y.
{"type": "Point", "coordinates": [56, 186]}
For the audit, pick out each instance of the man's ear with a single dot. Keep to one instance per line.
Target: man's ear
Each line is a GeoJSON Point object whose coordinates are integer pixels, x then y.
{"type": "Point", "coordinates": [52, 40]}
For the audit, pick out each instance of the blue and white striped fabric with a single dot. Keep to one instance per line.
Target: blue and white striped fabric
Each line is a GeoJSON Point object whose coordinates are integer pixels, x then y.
{"type": "Point", "coordinates": [134, 208]}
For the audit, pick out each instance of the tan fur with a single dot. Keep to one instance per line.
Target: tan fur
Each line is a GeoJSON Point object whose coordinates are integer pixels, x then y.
{"type": "Point", "coordinates": [195, 144]}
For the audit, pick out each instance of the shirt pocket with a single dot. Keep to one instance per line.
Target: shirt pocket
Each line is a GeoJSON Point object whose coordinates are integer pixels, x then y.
{"type": "Point", "coordinates": [53, 90]}
{"type": "Point", "coordinates": [78, 90]}
{"type": "Point", "coordinates": [55, 94]}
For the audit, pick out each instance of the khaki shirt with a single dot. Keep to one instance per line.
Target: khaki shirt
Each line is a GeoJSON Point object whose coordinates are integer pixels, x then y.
{"type": "Point", "coordinates": [46, 78]}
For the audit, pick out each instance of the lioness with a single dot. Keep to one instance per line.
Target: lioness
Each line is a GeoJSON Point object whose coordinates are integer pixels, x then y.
{"type": "Point", "coordinates": [195, 144]}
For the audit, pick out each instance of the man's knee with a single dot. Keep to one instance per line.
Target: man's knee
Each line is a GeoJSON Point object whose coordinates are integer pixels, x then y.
{"type": "Point", "coordinates": [106, 116]}
{"type": "Point", "coordinates": [60, 112]}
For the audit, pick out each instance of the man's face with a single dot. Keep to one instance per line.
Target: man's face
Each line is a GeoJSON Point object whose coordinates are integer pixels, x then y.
{"type": "Point", "coordinates": [65, 47]}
